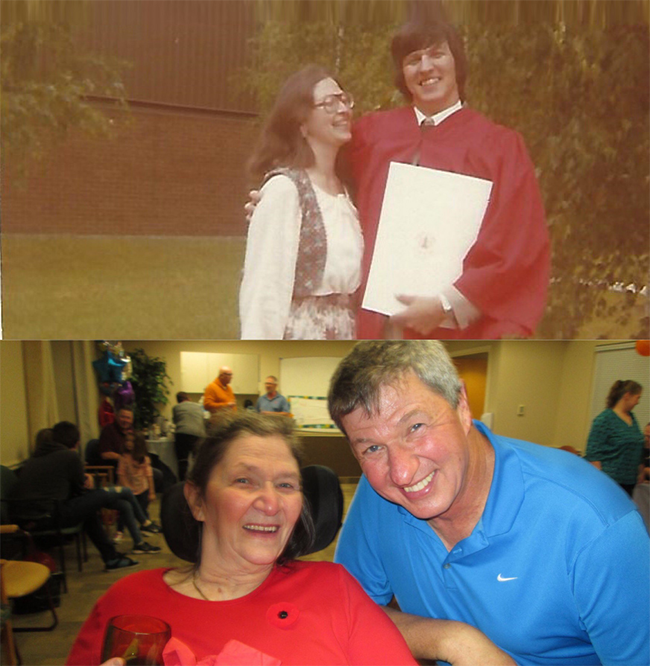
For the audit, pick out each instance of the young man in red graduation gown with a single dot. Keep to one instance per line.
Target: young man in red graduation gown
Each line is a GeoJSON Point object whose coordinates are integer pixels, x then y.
{"type": "Point", "coordinates": [502, 288]}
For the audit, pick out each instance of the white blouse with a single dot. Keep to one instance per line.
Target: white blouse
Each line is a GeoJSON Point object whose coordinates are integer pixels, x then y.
{"type": "Point", "coordinates": [272, 251]}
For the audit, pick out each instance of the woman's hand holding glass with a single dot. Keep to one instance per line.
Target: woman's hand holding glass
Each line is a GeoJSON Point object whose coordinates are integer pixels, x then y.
{"type": "Point", "coordinates": [135, 639]}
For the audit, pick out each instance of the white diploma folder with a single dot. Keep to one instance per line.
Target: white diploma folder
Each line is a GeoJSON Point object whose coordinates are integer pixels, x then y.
{"type": "Point", "coordinates": [429, 220]}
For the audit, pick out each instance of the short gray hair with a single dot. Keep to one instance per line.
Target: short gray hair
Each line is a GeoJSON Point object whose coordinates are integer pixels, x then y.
{"type": "Point", "coordinates": [359, 378]}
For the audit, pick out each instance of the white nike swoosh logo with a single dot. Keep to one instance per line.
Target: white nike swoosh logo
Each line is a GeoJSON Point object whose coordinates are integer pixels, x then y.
{"type": "Point", "coordinates": [501, 579]}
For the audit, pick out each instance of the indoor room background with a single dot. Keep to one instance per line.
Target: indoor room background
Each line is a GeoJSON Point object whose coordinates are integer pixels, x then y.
{"type": "Point", "coordinates": [545, 392]}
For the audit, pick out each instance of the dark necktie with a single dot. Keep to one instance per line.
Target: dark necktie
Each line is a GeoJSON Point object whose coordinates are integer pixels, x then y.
{"type": "Point", "coordinates": [425, 126]}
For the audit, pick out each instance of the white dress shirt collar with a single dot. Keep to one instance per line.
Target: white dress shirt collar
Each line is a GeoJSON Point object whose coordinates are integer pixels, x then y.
{"type": "Point", "coordinates": [440, 116]}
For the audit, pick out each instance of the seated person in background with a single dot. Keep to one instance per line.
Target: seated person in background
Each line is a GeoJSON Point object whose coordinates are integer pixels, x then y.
{"type": "Point", "coordinates": [641, 493]}
{"type": "Point", "coordinates": [112, 439]}
{"type": "Point", "coordinates": [534, 547]}
{"type": "Point", "coordinates": [644, 474]}
{"type": "Point", "coordinates": [247, 593]}
{"type": "Point", "coordinates": [189, 427]}
{"type": "Point", "coordinates": [134, 471]}
{"type": "Point", "coordinates": [113, 436]}
{"type": "Point", "coordinates": [55, 472]}
{"type": "Point", "coordinates": [272, 402]}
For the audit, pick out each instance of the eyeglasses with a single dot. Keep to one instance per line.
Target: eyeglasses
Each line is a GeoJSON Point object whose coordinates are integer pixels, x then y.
{"type": "Point", "coordinates": [331, 103]}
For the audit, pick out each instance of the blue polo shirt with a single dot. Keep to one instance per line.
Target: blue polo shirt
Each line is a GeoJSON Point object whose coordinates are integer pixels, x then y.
{"type": "Point", "coordinates": [277, 404]}
{"type": "Point", "coordinates": [557, 570]}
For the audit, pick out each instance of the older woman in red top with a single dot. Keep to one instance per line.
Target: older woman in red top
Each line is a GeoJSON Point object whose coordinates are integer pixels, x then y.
{"type": "Point", "coordinates": [247, 599]}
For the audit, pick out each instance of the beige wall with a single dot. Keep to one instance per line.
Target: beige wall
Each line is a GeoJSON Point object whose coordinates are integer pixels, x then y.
{"type": "Point", "coordinates": [14, 431]}
{"type": "Point", "coordinates": [528, 376]}
{"type": "Point", "coordinates": [269, 352]}
{"type": "Point", "coordinates": [572, 421]}
{"type": "Point", "coordinates": [553, 380]}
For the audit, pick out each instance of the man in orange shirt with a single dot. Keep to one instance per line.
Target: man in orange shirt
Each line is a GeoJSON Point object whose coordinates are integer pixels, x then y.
{"type": "Point", "coordinates": [219, 395]}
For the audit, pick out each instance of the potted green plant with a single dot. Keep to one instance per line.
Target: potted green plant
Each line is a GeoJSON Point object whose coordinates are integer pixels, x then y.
{"type": "Point", "coordinates": [149, 380]}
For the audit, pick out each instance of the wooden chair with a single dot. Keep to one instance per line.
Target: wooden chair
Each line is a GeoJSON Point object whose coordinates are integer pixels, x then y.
{"type": "Point", "coordinates": [18, 579]}
{"type": "Point", "coordinates": [104, 475]}
{"type": "Point", "coordinates": [94, 461]}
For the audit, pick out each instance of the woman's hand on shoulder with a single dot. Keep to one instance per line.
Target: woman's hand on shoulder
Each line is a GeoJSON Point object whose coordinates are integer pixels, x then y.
{"type": "Point", "coordinates": [277, 202]}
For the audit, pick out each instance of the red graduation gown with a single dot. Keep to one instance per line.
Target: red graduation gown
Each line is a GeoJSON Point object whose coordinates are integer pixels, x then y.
{"type": "Point", "coordinates": [506, 272]}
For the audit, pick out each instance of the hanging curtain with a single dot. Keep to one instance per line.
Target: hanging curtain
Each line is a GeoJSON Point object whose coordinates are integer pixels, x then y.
{"type": "Point", "coordinates": [85, 389]}
{"type": "Point", "coordinates": [42, 407]}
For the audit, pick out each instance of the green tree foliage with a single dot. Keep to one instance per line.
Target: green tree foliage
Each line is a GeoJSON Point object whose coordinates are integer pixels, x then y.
{"type": "Point", "coordinates": [582, 104]}
{"type": "Point", "coordinates": [47, 83]}
{"type": "Point", "coordinates": [149, 380]}
{"type": "Point", "coordinates": [367, 12]}
{"type": "Point", "coordinates": [359, 57]}
{"type": "Point", "coordinates": [57, 11]}
{"type": "Point", "coordinates": [586, 13]}
{"type": "Point", "coordinates": [574, 84]}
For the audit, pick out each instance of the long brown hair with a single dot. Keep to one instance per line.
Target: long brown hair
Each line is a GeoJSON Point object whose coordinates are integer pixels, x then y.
{"type": "Point", "coordinates": [281, 143]}
{"type": "Point", "coordinates": [620, 388]}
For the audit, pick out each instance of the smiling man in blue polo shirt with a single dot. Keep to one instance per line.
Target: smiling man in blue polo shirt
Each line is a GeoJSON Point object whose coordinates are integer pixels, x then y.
{"type": "Point", "coordinates": [532, 546]}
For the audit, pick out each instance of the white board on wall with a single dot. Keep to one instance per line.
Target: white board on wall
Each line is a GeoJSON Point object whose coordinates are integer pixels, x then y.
{"type": "Point", "coordinates": [310, 413]}
{"type": "Point", "coordinates": [620, 361]}
{"type": "Point", "coordinates": [308, 378]}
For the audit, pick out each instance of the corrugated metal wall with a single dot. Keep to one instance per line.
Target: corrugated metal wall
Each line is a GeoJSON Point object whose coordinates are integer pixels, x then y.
{"type": "Point", "coordinates": [182, 52]}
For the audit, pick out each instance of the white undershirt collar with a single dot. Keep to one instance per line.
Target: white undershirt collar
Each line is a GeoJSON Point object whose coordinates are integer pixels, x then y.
{"type": "Point", "coordinates": [440, 116]}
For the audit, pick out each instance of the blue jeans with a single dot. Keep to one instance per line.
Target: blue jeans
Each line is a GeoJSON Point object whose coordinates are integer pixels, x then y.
{"type": "Point", "coordinates": [84, 509]}
{"type": "Point", "coordinates": [143, 500]}
{"type": "Point", "coordinates": [129, 511]}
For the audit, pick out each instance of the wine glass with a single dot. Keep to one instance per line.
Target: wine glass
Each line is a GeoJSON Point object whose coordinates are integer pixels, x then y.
{"type": "Point", "coordinates": [138, 639]}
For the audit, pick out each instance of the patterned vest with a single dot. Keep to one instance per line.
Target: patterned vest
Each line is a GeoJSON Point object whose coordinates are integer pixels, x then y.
{"type": "Point", "coordinates": [312, 247]}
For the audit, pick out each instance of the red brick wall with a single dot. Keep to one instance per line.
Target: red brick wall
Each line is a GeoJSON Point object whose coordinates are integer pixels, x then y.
{"type": "Point", "coordinates": [166, 172]}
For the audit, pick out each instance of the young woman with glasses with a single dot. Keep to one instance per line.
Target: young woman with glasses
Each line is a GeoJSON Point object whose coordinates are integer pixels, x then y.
{"type": "Point", "coordinates": [304, 248]}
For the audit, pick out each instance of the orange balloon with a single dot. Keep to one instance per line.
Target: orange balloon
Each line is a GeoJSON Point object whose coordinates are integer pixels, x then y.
{"type": "Point", "coordinates": [643, 347]}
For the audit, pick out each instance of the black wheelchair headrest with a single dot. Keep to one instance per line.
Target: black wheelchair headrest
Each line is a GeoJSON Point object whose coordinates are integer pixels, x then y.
{"type": "Point", "coordinates": [321, 488]}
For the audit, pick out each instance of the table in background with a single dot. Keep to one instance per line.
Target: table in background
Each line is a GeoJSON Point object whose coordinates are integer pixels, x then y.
{"type": "Point", "coordinates": [164, 449]}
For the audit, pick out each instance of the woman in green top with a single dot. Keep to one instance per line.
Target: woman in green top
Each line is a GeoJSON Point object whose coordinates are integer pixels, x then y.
{"type": "Point", "coordinates": [615, 443]}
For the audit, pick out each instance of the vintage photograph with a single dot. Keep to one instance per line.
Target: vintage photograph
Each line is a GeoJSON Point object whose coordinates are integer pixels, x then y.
{"type": "Point", "coordinates": [133, 132]}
